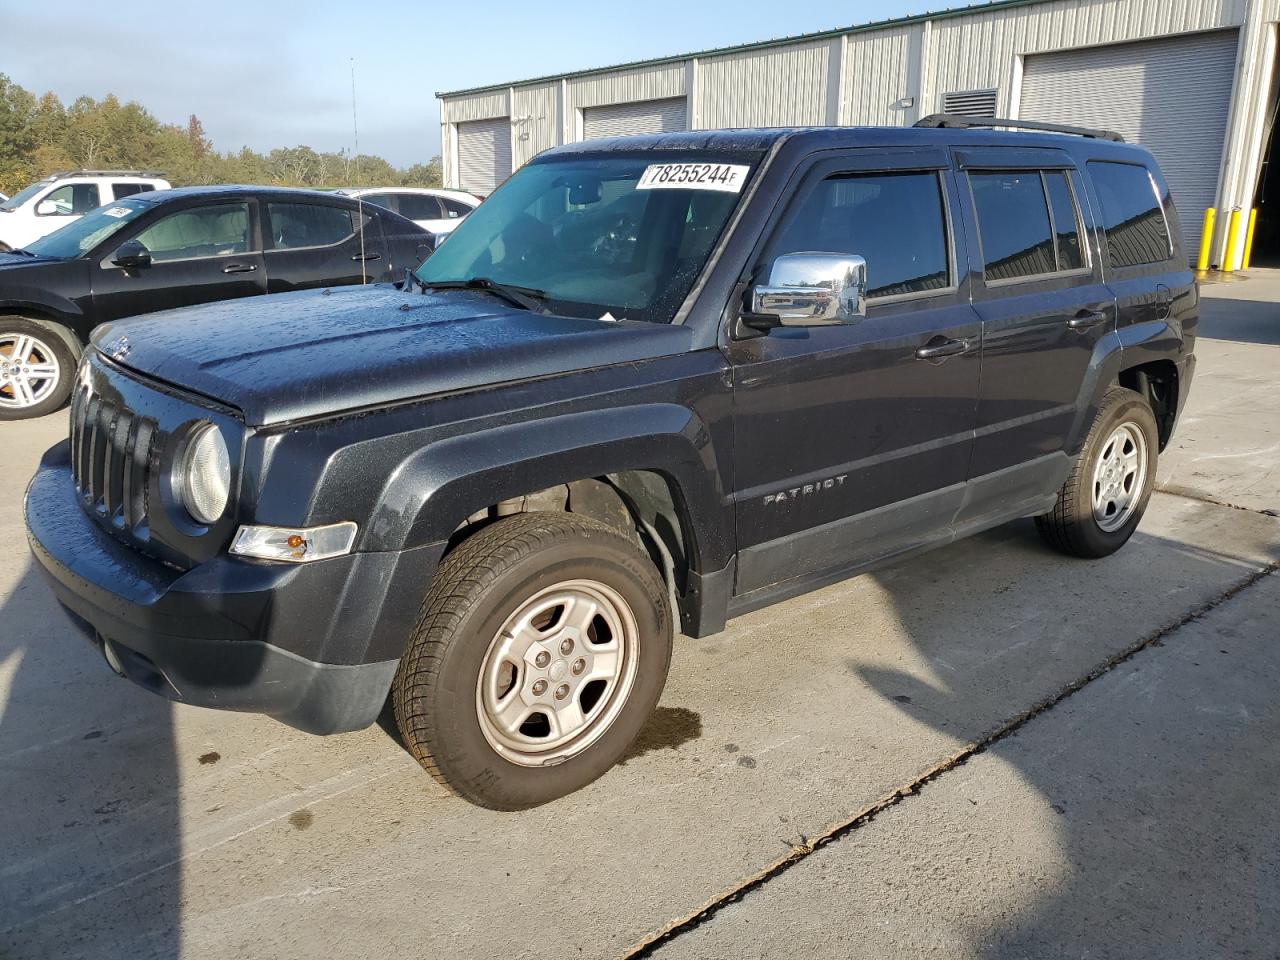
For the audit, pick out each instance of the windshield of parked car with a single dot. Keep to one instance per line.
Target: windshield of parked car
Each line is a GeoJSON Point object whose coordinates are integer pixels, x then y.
{"type": "Point", "coordinates": [81, 236]}
{"type": "Point", "coordinates": [22, 196]}
{"type": "Point", "coordinates": [621, 233]}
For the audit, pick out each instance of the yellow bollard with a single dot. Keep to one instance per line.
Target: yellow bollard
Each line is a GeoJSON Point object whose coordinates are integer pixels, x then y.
{"type": "Point", "coordinates": [1206, 238]}
{"type": "Point", "coordinates": [1248, 238]}
{"type": "Point", "coordinates": [1233, 242]}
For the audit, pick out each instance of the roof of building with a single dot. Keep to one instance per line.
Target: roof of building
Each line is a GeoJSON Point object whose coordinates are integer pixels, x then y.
{"type": "Point", "coordinates": [758, 45]}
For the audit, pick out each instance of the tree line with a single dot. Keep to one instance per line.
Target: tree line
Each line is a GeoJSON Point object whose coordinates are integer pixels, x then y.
{"type": "Point", "coordinates": [40, 135]}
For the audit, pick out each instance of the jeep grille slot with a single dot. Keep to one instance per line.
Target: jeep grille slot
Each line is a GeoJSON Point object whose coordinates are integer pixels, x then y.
{"type": "Point", "coordinates": [110, 454]}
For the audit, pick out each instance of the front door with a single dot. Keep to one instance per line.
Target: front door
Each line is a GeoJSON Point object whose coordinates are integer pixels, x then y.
{"type": "Point", "coordinates": [1044, 309]}
{"type": "Point", "coordinates": [198, 254]}
{"type": "Point", "coordinates": [852, 442]}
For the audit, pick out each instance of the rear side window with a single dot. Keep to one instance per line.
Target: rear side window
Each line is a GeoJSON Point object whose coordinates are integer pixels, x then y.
{"type": "Point", "coordinates": [384, 200]}
{"type": "Point", "coordinates": [1132, 216]}
{"type": "Point", "coordinates": [296, 225]}
{"type": "Point", "coordinates": [895, 221]}
{"type": "Point", "coordinates": [454, 208]}
{"type": "Point", "coordinates": [122, 190]}
{"type": "Point", "coordinates": [419, 206]}
{"type": "Point", "coordinates": [1027, 223]}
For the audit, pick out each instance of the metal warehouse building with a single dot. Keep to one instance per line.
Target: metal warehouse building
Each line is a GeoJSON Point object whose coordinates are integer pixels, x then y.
{"type": "Point", "coordinates": [1193, 80]}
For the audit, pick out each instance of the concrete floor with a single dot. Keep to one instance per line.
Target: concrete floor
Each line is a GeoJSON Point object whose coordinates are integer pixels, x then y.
{"type": "Point", "coordinates": [1134, 817]}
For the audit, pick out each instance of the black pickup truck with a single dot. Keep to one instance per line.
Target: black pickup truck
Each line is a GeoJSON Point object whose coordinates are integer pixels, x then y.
{"type": "Point", "coordinates": [676, 376]}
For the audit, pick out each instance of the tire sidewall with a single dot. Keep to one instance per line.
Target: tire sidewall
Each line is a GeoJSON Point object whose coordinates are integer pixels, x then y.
{"type": "Point", "coordinates": [463, 752]}
{"type": "Point", "coordinates": [1129, 409]}
{"type": "Point", "coordinates": [62, 354]}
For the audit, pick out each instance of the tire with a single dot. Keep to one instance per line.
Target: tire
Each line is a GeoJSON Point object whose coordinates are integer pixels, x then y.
{"type": "Point", "coordinates": [23, 394]}
{"type": "Point", "coordinates": [1097, 511]}
{"type": "Point", "coordinates": [514, 593]}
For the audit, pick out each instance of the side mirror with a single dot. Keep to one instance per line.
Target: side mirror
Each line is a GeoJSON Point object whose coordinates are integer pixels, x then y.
{"type": "Point", "coordinates": [47, 208]}
{"type": "Point", "coordinates": [131, 255]}
{"type": "Point", "coordinates": [810, 289]}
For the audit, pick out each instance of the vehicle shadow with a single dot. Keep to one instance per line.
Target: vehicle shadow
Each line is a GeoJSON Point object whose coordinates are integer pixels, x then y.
{"type": "Point", "coordinates": [1241, 321]}
{"type": "Point", "coordinates": [88, 795]}
{"type": "Point", "coordinates": [1162, 830]}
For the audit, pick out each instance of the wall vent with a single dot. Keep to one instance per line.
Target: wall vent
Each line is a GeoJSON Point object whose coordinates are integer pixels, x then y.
{"type": "Point", "coordinates": [970, 103]}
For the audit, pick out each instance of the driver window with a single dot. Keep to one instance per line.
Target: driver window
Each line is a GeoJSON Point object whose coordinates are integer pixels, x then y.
{"type": "Point", "coordinates": [895, 221]}
{"type": "Point", "coordinates": [72, 200]}
{"type": "Point", "coordinates": [214, 231]}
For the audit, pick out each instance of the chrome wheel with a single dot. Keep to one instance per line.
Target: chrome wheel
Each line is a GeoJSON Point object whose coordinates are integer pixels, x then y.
{"type": "Point", "coordinates": [29, 371]}
{"type": "Point", "coordinates": [1119, 476]}
{"type": "Point", "coordinates": [558, 673]}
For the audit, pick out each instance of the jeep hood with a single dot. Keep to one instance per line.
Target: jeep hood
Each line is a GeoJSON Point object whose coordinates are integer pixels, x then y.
{"type": "Point", "coordinates": [312, 353]}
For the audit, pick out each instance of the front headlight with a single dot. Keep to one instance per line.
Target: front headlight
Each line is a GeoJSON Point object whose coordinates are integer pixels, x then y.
{"type": "Point", "coordinates": [204, 474]}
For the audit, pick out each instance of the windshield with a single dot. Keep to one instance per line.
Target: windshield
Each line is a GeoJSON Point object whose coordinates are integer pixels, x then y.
{"type": "Point", "coordinates": [624, 234]}
{"type": "Point", "coordinates": [84, 234]}
{"type": "Point", "coordinates": [22, 196]}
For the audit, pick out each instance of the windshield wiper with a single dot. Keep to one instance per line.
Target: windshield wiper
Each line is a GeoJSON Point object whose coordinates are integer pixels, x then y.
{"type": "Point", "coordinates": [528, 298]}
{"type": "Point", "coordinates": [412, 280]}
{"type": "Point", "coordinates": [25, 253]}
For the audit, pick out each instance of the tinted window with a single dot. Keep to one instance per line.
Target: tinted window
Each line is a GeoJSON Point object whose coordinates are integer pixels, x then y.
{"type": "Point", "coordinates": [1013, 222]}
{"type": "Point", "coordinates": [1131, 214]}
{"type": "Point", "coordinates": [1066, 222]}
{"type": "Point", "coordinates": [72, 200]}
{"type": "Point", "coordinates": [417, 206]}
{"type": "Point", "coordinates": [384, 200]}
{"type": "Point", "coordinates": [214, 231]}
{"type": "Point", "coordinates": [455, 208]}
{"type": "Point", "coordinates": [308, 225]}
{"type": "Point", "coordinates": [895, 221]}
{"type": "Point", "coordinates": [122, 190]}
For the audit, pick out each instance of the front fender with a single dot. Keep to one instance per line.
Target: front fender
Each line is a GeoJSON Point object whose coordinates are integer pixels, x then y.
{"type": "Point", "coordinates": [436, 488]}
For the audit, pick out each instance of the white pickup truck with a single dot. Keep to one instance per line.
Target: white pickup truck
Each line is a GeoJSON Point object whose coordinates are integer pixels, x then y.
{"type": "Point", "coordinates": [55, 201]}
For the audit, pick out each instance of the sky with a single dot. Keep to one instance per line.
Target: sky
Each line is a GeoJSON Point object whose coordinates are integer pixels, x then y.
{"type": "Point", "coordinates": [270, 74]}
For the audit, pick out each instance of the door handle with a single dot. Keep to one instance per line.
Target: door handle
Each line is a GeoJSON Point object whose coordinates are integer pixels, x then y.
{"type": "Point", "coordinates": [941, 349]}
{"type": "Point", "coordinates": [240, 268]}
{"type": "Point", "coordinates": [367, 256]}
{"type": "Point", "coordinates": [1086, 319]}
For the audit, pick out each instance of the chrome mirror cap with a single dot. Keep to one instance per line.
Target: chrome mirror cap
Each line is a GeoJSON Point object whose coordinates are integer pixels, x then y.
{"type": "Point", "coordinates": [810, 289]}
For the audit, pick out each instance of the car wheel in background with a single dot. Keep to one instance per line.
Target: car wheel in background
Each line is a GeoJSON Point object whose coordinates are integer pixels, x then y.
{"type": "Point", "coordinates": [1106, 494]}
{"type": "Point", "coordinates": [541, 650]}
{"type": "Point", "coordinates": [36, 369]}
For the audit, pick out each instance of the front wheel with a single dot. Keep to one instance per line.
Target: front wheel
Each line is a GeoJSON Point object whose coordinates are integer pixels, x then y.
{"type": "Point", "coordinates": [1106, 494]}
{"type": "Point", "coordinates": [541, 650]}
{"type": "Point", "coordinates": [36, 369]}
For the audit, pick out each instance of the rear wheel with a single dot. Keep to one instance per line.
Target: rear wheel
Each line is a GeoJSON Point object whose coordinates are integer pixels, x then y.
{"type": "Point", "coordinates": [542, 648]}
{"type": "Point", "coordinates": [36, 369]}
{"type": "Point", "coordinates": [1106, 494]}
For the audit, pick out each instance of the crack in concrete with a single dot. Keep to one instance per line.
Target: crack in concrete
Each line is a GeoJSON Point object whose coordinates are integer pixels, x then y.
{"type": "Point", "coordinates": [1189, 493]}
{"type": "Point", "coordinates": [799, 851]}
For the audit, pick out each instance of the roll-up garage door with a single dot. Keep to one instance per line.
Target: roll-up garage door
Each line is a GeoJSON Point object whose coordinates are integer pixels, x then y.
{"type": "Point", "coordinates": [627, 119]}
{"type": "Point", "coordinates": [1170, 95]}
{"type": "Point", "coordinates": [484, 154]}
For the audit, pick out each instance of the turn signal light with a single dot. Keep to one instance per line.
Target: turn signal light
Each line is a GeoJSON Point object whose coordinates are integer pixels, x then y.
{"type": "Point", "coordinates": [294, 545]}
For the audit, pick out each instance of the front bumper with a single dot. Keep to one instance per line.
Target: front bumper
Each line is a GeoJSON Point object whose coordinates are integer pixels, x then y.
{"type": "Point", "coordinates": [313, 645]}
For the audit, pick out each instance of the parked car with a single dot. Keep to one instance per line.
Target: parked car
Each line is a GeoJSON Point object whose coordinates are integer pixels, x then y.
{"type": "Point", "coordinates": [682, 376]}
{"type": "Point", "coordinates": [52, 203]}
{"type": "Point", "coordinates": [438, 211]}
{"type": "Point", "coordinates": [160, 250]}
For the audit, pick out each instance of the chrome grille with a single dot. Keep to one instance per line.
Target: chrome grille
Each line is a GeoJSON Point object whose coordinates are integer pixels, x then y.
{"type": "Point", "coordinates": [110, 460]}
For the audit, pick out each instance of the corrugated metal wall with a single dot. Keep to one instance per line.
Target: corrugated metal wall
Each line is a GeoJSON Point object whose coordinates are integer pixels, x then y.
{"type": "Point", "coordinates": [778, 87]}
{"type": "Point", "coordinates": [888, 75]}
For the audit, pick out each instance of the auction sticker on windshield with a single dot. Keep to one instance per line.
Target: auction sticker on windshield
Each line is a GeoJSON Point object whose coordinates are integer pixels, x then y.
{"type": "Point", "coordinates": [725, 177]}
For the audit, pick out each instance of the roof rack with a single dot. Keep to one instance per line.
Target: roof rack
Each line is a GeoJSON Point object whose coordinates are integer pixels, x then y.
{"type": "Point", "coordinates": [956, 121]}
{"type": "Point", "coordinates": [62, 174]}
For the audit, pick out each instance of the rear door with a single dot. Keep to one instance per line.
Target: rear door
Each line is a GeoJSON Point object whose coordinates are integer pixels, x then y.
{"type": "Point", "coordinates": [1044, 306]}
{"type": "Point", "coordinates": [315, 244]}
{"type": "Point", "coordinates": [198, 254]}
{"type": "Point", "coordinates": [849, 445]}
